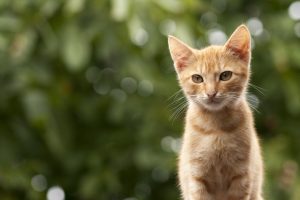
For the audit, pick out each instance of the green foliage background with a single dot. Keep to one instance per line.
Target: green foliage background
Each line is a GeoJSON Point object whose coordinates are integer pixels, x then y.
{"type": "Point", "coordinates": [84, 87]}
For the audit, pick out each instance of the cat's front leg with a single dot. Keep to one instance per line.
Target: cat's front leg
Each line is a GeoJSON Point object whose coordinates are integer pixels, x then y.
{"type": "Point", "coordinates": [199, 189]}
{"type": "Point", "coordinates": [239, 188]}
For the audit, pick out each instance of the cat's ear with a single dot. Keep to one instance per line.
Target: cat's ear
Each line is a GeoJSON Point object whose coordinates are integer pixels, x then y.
{"type": "Point", "coordinates": [182, 55]}
{"type": "Point", "coordinates": [240, 43]}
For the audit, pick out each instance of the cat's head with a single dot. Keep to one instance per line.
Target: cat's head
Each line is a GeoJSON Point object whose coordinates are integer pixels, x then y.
{"type": "Point", "coordinates": [216, 76]}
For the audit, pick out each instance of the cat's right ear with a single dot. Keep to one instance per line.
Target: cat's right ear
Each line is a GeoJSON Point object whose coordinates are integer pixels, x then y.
{"type": "Point", "coordinates": [182, 55]}
{"type": "Point", "coordinates": [239, 43]}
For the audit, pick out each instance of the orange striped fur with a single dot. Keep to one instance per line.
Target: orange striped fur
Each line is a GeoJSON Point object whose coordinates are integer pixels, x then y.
{"type": "Point", "coordinates": [220, 158]}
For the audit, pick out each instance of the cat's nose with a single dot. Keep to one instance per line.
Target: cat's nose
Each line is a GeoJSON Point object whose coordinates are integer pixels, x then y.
{"type": "Point", "coordinates": [211, 95]}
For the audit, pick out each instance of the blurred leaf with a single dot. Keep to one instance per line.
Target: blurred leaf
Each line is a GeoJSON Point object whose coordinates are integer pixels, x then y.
{"type": "Point", "coordinates": [36, 106]}
{"type": "Point", "coordinates": [74, 6]}
{"type": "Point", "coordinates": [75, 48]}
{"type": "Point", "coordinates": [10, 23]}
{"type": "Point", "coordinates": [120, 9]}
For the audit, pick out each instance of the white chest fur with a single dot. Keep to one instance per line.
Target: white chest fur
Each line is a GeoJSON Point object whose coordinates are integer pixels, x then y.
{"type": "Point", "coordinates": [216, 155]}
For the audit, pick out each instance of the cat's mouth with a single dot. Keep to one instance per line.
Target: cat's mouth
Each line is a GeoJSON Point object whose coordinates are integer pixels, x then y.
{"type": "Point", "coordinates": [210, 102]}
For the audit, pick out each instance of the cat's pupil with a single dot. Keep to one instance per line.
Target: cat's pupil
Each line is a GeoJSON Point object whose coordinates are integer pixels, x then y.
{"type": "Point", "coordinates": [225, 76]}
{"type": "Point", "coordinates": [197, 78]}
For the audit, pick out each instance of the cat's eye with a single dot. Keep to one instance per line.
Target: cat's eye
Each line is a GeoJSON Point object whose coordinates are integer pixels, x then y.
{"type": "Point", "coordinates": [225, 76]}
{"type": "Point", "coordinates": [196, 78]}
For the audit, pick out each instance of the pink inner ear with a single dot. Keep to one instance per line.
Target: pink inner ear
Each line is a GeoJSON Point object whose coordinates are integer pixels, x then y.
{"type": "Point", "coordinates": [242, 52]}
{"type": "Point", "coordinates": [181, 63]}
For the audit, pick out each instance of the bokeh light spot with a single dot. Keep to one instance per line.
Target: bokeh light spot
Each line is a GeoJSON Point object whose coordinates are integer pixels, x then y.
{"type": "Point", "coordinates": [55, 193]}
{"type": "Point", "coordinates": [140, 37]}
{"type": "Point", "coordinates": [208, 18]}
{"type": "Point", "coordinates": [216, 37]}
{"type": "Point", "coordinates": [294, 10]}
{"type": "Point", "coordinates": [119, 9]}
{"type": "Point", "coordinates": [101, 88]}
{"type": "Point", "coordinates": [297, 29]}
{"type": "Point", "coordinates": [171, 144]}
{"type": "Point", "coordinates": [130, 198]}
{"type": "Point", "coordinates": [220, 5]}
{"type": "Point", "coordinates": [176, 145]}
{"type": "Point", "coordinates": [118, 95]}
{"type": "Point", "coordinates": [166, 143]}
{"type": "Point", "coordinates": [255, 26]}
{"type": "Point", "coordinates": [145, 88]}
{"type": "Point", "coordinates": [129, 84]}
{"type": "Point", "coordinates": [39, 182]}
{"type": "Point", "coordinates": [167, 27]}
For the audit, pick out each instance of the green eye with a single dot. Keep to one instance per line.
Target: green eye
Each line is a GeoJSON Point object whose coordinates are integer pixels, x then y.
{"type": "Point", "coordinates": [197, 78]}
{"type": "Point", "coordinates": [225, 76]}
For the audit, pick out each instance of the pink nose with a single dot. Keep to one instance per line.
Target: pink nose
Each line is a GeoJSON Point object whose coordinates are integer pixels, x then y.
{"type": "Point", "coordinates": [211, 95]}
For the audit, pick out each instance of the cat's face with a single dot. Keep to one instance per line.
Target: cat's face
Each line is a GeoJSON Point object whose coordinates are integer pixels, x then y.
{"type": "Point", "coordinates": [216, 76]}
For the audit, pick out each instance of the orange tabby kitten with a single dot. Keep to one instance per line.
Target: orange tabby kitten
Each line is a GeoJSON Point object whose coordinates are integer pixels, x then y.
{"type": "Point", "coordinates": [220, 158]}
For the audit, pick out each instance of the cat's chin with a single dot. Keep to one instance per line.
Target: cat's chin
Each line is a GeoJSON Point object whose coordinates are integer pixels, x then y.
{"type": "Point", "coordinates": [211, 106]}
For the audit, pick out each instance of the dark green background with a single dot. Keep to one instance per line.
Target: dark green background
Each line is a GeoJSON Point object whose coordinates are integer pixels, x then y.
{"type": "Point", "coordinates": [85, 85]}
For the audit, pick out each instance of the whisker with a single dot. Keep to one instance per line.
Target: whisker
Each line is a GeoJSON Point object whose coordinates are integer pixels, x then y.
{"type": "Point", "coordinates": [257, 86]}
{"type": "Point", "coordinates": [176, 101]}
{"type": "Point", "coordinates": [252, 107]}
{"type": "Point", "coordinates": [178, 111]}
{"type": "Point", "coordinates": [174, 95]}
{"type": "Point", "coordinates": [178, 105]}
{"type": "Point", "coordinates": [259, 89]}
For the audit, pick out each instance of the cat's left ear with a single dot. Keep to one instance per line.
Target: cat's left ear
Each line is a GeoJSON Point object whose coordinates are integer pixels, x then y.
{"type": "Point", "coordinates": [239, 43]}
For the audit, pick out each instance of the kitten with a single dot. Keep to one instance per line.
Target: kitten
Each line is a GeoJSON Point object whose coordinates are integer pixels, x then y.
{"type": "Point", "coordinates": [220, 158]}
